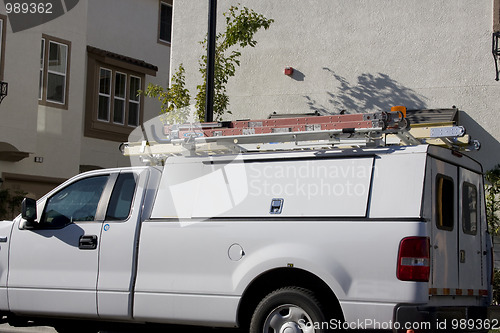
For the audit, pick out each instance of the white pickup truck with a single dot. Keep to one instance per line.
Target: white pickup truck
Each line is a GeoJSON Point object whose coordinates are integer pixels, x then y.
{"type": "Point", "coordinates": [295, 241]}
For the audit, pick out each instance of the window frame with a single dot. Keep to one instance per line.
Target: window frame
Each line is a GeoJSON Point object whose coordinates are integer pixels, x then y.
{"type": "Point", "coordinates": [3, 33]}
{"type": "Point", "coordinates": [119, 98]}
{"type": "Point", "coordinates": [43, 100]}
{"type": "Point", "coordinates": [440, 221]}
{"type": "Point", "coordinates": [168, 3]}
{"type": "Point", "coordinates": [465, 209]}
{"type": "Point", "coordinates": [42, 68]}
{"type": "Point", "coordinates": [110, 130]}
{"type": "Point", "coordinates": [129, 101]}
{"type": "Point", "coordinates": [112, 199]}
{"type": "Point", "coordinates": [107, 95]}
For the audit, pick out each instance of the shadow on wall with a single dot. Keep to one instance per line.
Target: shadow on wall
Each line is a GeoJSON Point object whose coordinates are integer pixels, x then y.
{"type": "Point", "coordinates": [379, 92]}
{"type": "Point", "coordinates": [488, 154]}
{"type": "Point", "coordinates": [371, 93]}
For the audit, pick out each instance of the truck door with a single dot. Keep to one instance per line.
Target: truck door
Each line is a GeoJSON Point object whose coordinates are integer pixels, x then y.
{"type": "Point", "coordinates": [470, 241]}
{"type": "Point", "coordinates": [54, 265]}
{"type": "Point", "coordinates": [118, 247]}
{"type": "Point", "coordinates": [444, 240]}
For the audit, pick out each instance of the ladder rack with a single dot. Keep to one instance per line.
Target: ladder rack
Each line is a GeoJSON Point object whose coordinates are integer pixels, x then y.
{"type": "Point", "coordinates": [293, 133]}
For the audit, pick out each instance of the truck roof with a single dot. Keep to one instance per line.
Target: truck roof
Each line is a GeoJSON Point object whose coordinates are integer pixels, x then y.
{"type": "Point", "coordinates": [449, 155]}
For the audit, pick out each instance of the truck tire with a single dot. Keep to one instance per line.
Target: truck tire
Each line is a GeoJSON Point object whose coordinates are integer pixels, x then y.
{"type": "Point", "coordinates": [289, 309]}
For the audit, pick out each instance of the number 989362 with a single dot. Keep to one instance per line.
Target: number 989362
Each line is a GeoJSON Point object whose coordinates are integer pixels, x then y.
{"type": "Point", "coordinates": [28, 8]}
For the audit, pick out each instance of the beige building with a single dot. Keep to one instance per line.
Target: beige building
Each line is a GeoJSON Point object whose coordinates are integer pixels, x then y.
{"type": "Point", "coordinates": [71, 80]}
{"type": "Point", "coordinates": [360, 56]}
{"type": "Point", "coordinates": [72, 88]}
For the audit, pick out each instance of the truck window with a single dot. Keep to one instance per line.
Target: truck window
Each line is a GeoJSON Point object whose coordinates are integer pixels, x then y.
{"type": "Point", "coordinates": [121, 198]}
{"type": "Point", "coordinates": [444, 202]}
{"type": "Point", "coordinates": [76, 202]}
{"type": "Point", "coordinates": [469, 208]}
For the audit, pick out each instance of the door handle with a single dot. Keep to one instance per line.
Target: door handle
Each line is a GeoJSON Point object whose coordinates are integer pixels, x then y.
{"type": "Point", "coordinates": [88, 242]}
{"type": "Point", "coordinates": [462, 256]}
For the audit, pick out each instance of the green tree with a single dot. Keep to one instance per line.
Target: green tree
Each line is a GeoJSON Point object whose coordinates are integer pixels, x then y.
{"type": "Point", "coordinates": [492, 199]}
{"type": "Point", "coordinates": [496, 286]}
{"type": "Point", "coordinates": [4, 197]}
{"type": "Point", "coordinates": [241, 26]}
{"type": "Point", "coordinates": [10, 203]}
{"type": "Point", "coordinates": [174, 100]}
{"type": "Point", "coordinates": [492, 188]}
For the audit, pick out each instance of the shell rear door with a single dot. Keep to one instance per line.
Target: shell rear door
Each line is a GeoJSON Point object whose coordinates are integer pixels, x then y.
{"type": "Point", "coordinates": [444, 241]}
{"type": "Point", "coordinates": [472, 256]}
{"type": "Point", "coordinates": [458, 257]}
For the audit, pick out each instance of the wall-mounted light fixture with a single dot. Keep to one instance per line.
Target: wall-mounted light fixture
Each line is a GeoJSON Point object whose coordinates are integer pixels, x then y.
{"type": "Point", "coordinates": [3, 90]}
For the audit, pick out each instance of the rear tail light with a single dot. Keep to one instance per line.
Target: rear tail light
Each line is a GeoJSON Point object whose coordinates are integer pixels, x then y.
{"type": "Point", "coordinates": [414, 259]}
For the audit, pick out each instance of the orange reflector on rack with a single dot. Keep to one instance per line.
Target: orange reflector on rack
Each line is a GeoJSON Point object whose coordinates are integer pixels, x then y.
{"type": "Point", "coordinates": [399, 108]}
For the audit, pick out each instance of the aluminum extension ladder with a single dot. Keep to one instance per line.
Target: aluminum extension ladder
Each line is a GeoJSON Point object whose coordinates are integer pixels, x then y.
{"type": "Point", "coordinates": [293, 133]}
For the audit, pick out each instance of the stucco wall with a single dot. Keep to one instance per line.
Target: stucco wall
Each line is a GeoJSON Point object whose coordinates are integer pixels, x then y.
{"type": "Point", "coordinates": [359, 56]}
{"type": "Point", "coordinates": [126, 27]}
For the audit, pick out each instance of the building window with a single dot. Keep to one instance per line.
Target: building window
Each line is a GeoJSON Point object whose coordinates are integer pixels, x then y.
{"type": "Point", "coordinates": [120, 98]}
{"type": "Point", "coordinates": [3, 22]}
{"type": "Point", "coordinates": [54, 72]}
{"type": "Point", "coordinates": [103, 106]}
{"type": "Point", "coordinates": [165, 22]}
{"type": "Point", "coordinates": [114, 104]}
{"type": "Point", "coordinates": [42, 61]}
{"type": "Point", "coordinates": [134, 101]}
{"type": "Point", "coordinates": [114, 107]}
{"type": "Point", "coordinates": [118, 102]}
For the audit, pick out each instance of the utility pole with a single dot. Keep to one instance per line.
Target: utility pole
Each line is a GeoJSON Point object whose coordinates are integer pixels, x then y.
{"type": "Point", "coordinates": [211, 41]}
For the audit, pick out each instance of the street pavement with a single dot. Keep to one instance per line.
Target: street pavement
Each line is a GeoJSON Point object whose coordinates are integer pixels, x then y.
{"type": "Point", "coordinates": [6, 328]}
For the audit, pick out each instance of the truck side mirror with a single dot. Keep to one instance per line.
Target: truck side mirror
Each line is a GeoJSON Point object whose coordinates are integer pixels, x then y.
{"type": "Point", "coordinates": [28, 211]}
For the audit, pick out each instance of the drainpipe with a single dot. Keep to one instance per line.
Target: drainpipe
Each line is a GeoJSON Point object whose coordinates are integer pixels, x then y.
{"type": "Point", "coordinates": [211, 41]}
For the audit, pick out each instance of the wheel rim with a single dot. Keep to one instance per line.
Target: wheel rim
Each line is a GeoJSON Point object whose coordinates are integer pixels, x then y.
{"type": "Point", "coordinates": [288, 318]}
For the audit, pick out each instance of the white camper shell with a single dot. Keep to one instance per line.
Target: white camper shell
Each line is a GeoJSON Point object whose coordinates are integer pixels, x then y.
{"type": "Point", "coordinates": [390, 237]}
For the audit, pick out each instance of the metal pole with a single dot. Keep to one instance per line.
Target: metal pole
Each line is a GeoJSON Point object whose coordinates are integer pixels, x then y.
{"type": "Point", "coordinates": [211, 40]}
